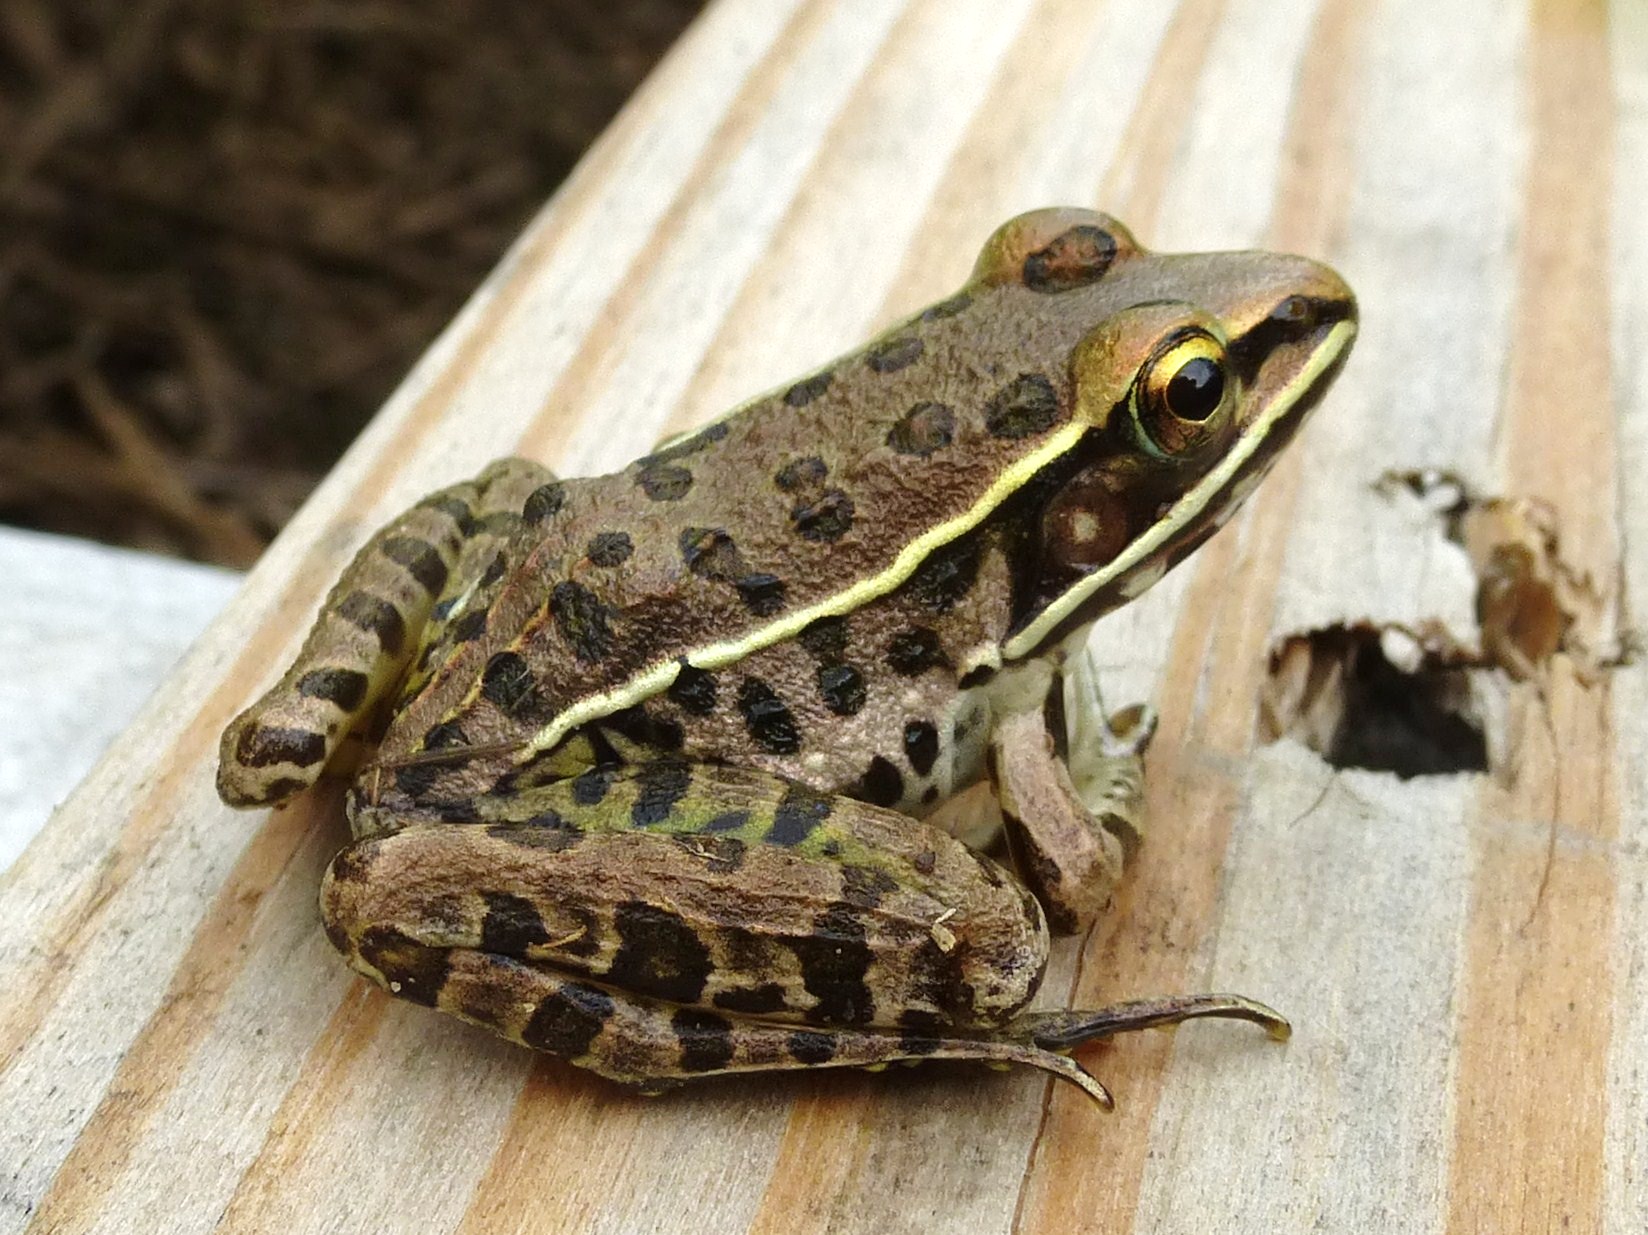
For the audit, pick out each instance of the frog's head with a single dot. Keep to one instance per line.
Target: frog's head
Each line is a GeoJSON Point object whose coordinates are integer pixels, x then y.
{"type": "Point", "coordinates": [1191, 373]}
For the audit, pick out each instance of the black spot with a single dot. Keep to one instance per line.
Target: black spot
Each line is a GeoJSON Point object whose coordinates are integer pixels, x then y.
{"type": "Point", "coordinates": [917, 1044]}
{"type": "Point", "coordinates": [1025, 406]}
{"type": "Point", "coordinates": [1075, 258]}
{"type": "Point", "coordinates": [721, 855]}
{"type": "Point", "coordinates": [706, 1039]}
{"type": "Point", "coordinates": [807, 389]}
{"type": "Point", "coordinates": [811, 1048]}
{"type": "Point", "coordinates": [804, 473]}
{"type": "Point", "coordinates": [915, 651]}
{"type": "Point", "coordinates": [978, 675]}
{"type": "Point", "coordinates": [658, 954]}
{"type": "Point", "coordinates": [768, 720]}
{"type": "Point", "coordinates": [511, 925]}
{"type": "Point", "coordinates": [728, 821]}
{"type": "Point", "coordinates": [421, 560]}
{"type": "Point", "coordinates": [947, 308]}
{"type": "Point", "coordinates": [590, 788]}
{"type": "Point", "coordinates": [494, 571]}
{"type": "Point", "coordinates": [751, 1000]}
{"type": "Point", "coordinates": [864, 887]}
{"type": "Point", "coordinates": [378, 616]}
{"type": "Point", "coordinates": [659, 787]}
{"type": "Point", "coordinates": [262, 746]}
{"type": "Point", "coordinates": [582, 619]}
{"type": "Point", "coordinates": [567, 1022]}
{"type": "Point", "coordinates": [831, 848]}
{"type": "Point", "coordinates": [609, 548]}
{"type": "Point", "coordinates": [666, 482]}
{"type": "Point", "coordinates": [506, 680]}
{"type": "Point", "coordinates": [645, 729]}
{"type": "Point", "coordinates": [921, 745]}
{"type": "Point", "coordinates": [825, 638]}
{"type": "Point", "coordinates": [544, 502]}
{"type": "Point", "coordinates": [925, 428]}
{"type": "Point", "coordinates": [409, 969]}
{"type": "Point", "coordinates": [799, 814]}
{"type": "Point", "coordinates": [444, 736]}
{"type": "Point", "coordinates": [283, 787]}
{"type": "Point", "coordinates": [924, 862]}
{"type": "Point", "coordinates": [416, 780]}
{"type": "Point", "coordinates": [834, 960]}
{"type": "Point", "coordinates": [344, 687]}
{"type": "Point", "coordinates": [470, 626]}
{"type": "Point", "coordinates": [881, 784]}
{"type": "Point", "coordinates": [762, 593]}
{"type": "Point", "coordinates": [693, 691]}
{"type": "Point", "coordinates": [946, 575]}
{"type": "Point", "coordinates": [929, 795]}
{"type": "Point", "coordinates": [895, 354]}
{"type": "Point", "coordinates": [826, 520]}
{"type": "Point", "coordinates": [842, 689]}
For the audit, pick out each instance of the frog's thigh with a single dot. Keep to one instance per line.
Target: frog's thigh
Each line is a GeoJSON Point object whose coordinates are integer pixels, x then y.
{"type": "Point", "coordinates": [570, 941]}
{"type": "Point", "coordinates": [369, 627]}
{"type": "Point", "coordinates": [1071, 824]}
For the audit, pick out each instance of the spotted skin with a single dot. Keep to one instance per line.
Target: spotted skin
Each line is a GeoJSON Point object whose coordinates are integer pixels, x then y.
{"type": "Point", "coordinates": [666, 768]}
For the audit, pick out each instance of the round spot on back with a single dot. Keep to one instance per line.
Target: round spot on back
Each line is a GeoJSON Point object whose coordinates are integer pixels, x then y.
{"type": "Point", "coordinates": [544, 502]}
{"type": "Point", "coordinates": [666, 482]}
{"type": "Point", "coordinates": [762, 593]}
{"type": "Point", "coordinates": [1075, 258]}
{"type": "Point", "coordinates": [842, 689]}
{"type": "Point", "coordinates": [895, 354]}
{"type": "Point", "coordinates": [444, 736]}
{"type": "Point", "coordinates": [470, 626]}
{"type": "Point", "coordinates": [710, 553]}
{"type": "Point", "coordinates": [1024, 407]}
{"type": "Point", "coordinates": [807, 389]}
{"type": "Point", "coordinates": [826, 520]}
{"type": "Point", "coordinates": [921, 745]}
{"type": "Point", "coordinates": [609, 548]}
{"type": "Point", "coordinates": [947, 575]}
{"type": "Point", "coordinates": [693, 691]}
{"type": "Point", "coordinates": [914, 651]}
{"type": "Point", "coordinates": [769, 722]}
{"type": "Point", "coordinates": [882, 783]}
{"type": "Point", "coordinates": [506, 680]}
{"type": "Point", "coordinates": [825, 638]}
{"type": "Point", "coordinates": [659, 954]}
{"type": "Point", "coordinates": [801, 473]}
{"type": "Point", "coordinates": [924, 429]}
{"type": "Point", "coordinates": [582, 619]}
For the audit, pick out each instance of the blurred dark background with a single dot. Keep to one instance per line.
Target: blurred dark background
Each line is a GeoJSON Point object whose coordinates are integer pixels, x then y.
{"type": "Point", "coordinates": [228, 228]}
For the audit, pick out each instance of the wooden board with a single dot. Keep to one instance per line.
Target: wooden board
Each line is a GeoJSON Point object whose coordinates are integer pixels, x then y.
{"type": "Point", "coordinates": [1465, 956]}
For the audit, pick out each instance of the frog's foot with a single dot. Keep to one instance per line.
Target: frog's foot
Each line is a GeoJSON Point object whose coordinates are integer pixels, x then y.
{"type": "Point", "coordinates": [380, 615]}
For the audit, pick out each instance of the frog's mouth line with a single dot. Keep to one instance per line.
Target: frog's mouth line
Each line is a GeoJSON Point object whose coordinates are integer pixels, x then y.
{"type": "Point", "coordinates": [1196, 514]}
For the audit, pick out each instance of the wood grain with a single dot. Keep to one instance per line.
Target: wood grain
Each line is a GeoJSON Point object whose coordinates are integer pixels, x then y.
{"type": "Point", "coordinates": [1465, 956]}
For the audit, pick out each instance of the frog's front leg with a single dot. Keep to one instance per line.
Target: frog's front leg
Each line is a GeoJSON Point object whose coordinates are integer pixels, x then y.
{"type": "Point", "coordinates": [667, 921]}
{"type": "Point", "coordinates": [373, 624]}
{"type": "Point", "coordinates": [1070, 781]}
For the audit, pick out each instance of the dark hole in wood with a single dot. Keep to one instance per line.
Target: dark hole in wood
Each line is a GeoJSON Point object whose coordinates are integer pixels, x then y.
{"type": "Point", "coordinates": [1337, 691]}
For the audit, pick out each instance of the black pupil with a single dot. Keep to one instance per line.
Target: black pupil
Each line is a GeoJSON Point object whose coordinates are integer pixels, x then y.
{"type": "Point", "coordinates": [1193, 393]}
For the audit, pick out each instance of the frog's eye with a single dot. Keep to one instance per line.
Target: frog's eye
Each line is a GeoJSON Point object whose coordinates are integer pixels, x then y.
{"type": "Point", "coordinates": [1181, 392]}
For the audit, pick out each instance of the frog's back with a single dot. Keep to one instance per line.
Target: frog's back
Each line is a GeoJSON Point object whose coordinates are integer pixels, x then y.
{"type": "Point", "coordinates": [809, 502]}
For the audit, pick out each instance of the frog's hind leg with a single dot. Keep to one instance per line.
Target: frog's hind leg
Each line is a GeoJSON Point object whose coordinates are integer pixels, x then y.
{"type": "Point", "coordinates": [369, 629]}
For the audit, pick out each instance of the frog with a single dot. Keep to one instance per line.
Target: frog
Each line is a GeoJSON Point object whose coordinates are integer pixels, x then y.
{"type": "Point", "coordinates": [697, 768]}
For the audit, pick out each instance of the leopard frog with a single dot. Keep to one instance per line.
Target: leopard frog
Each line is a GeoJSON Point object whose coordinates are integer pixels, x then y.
{"type": "Point", "coordinates": [668, 766]}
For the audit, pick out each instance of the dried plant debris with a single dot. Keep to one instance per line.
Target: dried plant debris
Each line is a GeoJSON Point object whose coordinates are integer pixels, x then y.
{"type": "Point", "coordinates": [227, 228]}
{"type": "Point", "coordinates": [1411, 699]}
